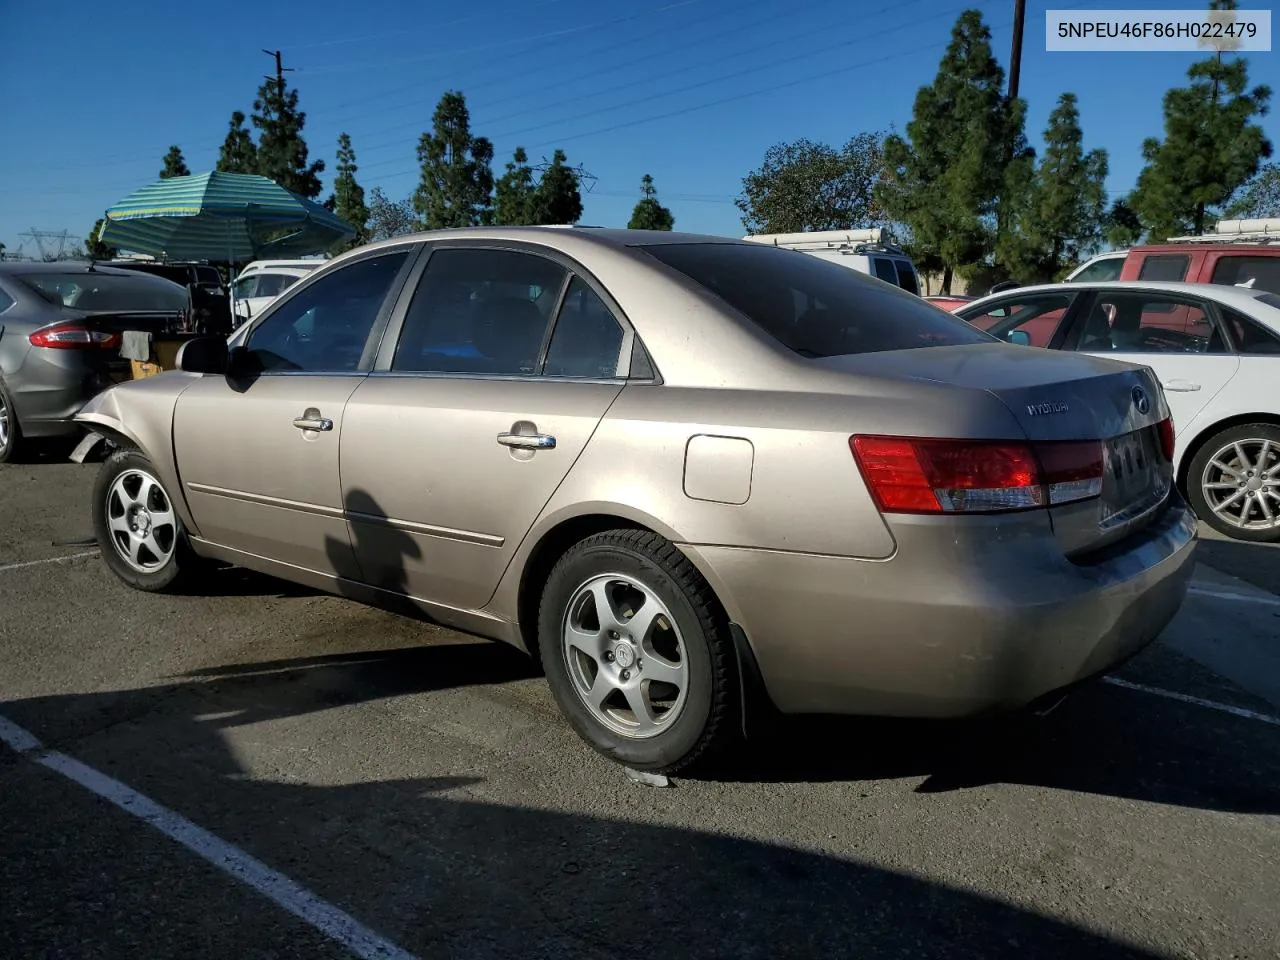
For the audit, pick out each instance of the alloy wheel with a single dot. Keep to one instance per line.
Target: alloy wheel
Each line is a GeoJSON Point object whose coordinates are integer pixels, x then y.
{"type": "Point", "coordinates": [625, 656]}
{"type": "Point", "coordinates": [1241, 484]}
{"type": "Point", "coordinates": [141, 521]}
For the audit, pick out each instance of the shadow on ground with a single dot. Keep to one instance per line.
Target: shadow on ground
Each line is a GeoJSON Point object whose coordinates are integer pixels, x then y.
{"type": "Point", "coordinates": [445, 875]}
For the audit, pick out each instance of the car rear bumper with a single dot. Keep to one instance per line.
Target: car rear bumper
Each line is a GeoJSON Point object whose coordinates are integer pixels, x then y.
{"type": "Point", "coordinates": [966, 618]}
{"type": "Point", "coordinates": [48, 391]}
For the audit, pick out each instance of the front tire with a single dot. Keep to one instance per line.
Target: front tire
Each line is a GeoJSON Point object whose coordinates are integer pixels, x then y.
{"type": "Point", "coordinates": [139, 533]}
{"type": "Point", "coordinates": [1233, 482]}
{"type": "Point", "coordinates": [638, 653]}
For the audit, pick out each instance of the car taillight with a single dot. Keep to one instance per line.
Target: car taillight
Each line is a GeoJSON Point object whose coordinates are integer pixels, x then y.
{"type": "Point", "coordinates": [918, 475]}
{"type": "Point", "coordinates": [1166, 438]}
{"type": "Point", "coordinates": [74, 336]}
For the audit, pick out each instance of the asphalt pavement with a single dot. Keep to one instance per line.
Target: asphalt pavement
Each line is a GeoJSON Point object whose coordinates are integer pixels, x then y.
{"type": "Point", "coordinates": [261, 771]}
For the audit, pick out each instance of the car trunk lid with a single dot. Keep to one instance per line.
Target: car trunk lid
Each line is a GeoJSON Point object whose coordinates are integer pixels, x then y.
{"type": "Point", "coordinates": [1059, 397]}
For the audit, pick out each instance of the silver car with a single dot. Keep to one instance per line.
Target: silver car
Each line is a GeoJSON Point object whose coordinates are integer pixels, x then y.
{"type": "Point", "coordinates": [688, 474]}
{"type": "Point", "coordinates": [61, 326]}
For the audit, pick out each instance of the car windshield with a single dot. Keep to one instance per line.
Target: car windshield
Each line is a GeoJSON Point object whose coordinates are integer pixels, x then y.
{"type": "Point", "coordinates": [107, 291]}
{"type": "Point", "coordinates": [812, 307]}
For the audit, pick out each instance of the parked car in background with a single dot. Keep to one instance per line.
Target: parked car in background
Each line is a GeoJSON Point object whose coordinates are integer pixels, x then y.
{"type": "Point", "coordinates": [1105, 266]}
{"type": "Point", "coordinates": [182, 272]}
{"type": "Point", "coordinates": [669, 467]}
{"type": "Point", "coordinates": [1237, 253]}
{"type": "Point", "coordinates": [949, 301]}
{"type": "Point", "coordinates": [262, 281]}
{"type": "Point", "coordinates": [1216, 351]}
{"type": "Point", "coordinates": [867, 251]}
{"type": "Point", "coordinates": [61, 329]}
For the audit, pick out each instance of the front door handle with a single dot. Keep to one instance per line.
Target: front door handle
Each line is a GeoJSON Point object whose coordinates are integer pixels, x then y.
{"type": "Point", "coordinates": [313, 423]}
{"type": "Point", "coordinates": [527, 441]}
{"type": "Point", "coordinates": [1181, 386]}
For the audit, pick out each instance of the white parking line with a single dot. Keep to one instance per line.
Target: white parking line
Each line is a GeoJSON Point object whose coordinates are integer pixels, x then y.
{"type": "Point", "coordinates": [302, 903]}
{"type": "Point", "coordinates": [1198, 701]}
{"type": "Point", "coordinates": [1237, 597]}
{"type": "Point", "coordinates": [38, 563]}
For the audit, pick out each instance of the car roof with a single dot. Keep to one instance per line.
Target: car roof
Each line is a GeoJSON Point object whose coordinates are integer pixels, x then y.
{"type": "Point", "coordinates": [12, 267]}
{"type": "Point", "coordinates": [559, 237]}
{"type": "Point", "coordinates": [1240, 297]}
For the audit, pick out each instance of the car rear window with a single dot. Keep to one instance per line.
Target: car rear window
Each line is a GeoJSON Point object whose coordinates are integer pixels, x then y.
{"type": "Point", "coordinates": [813, 307]}
{"type": "Point", "coordinates": [107, 291]}
{"type": "Point", "coordinates": [1256, 273]}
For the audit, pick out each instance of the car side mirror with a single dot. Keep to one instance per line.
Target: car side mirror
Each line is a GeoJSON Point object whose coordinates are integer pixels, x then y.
{"type": "Point", "coordinates": [204, 355]}
{"type": "Point", "coordinates": [1020, 337]}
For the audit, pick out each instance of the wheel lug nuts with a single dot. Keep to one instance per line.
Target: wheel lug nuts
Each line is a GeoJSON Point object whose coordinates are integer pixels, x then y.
{"type": "Point", "coordinates": [625, 675]}
{"type": "Point", "coordinates": [608, 656]}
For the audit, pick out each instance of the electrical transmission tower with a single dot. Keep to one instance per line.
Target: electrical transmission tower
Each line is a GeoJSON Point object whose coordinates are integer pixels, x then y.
{"type": "Point", "coordinates": [38, 237]}
{"type": "Point", "coordinates": [585, 179]}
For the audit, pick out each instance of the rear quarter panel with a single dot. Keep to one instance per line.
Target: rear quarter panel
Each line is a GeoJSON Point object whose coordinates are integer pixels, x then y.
{"type": "Point", "coordinates": [805, 493]}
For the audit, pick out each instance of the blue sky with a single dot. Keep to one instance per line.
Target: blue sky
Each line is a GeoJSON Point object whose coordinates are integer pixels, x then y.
{"type": "Point", "coordinates": [690, 91]}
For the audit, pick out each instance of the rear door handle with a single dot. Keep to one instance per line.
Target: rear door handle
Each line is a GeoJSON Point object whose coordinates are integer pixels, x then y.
{"type": "Point", "coordinates": [313, 423]}
{"type": "Point", "coordinates": [1181, 386]}
{"type": "Point", "coordinates": [527, 441]}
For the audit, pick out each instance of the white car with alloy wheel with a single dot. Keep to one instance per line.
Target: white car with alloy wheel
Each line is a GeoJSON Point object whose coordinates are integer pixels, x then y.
{"type": "Point", "coordinates": [1215, 350]}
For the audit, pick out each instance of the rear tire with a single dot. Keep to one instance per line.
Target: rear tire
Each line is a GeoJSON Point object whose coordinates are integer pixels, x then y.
{"type": "Point", "coordinates": [1241, 491]}
{"type": "Point", "coordinates": [11, 443]}
{"type": "Point", "coordinates": [650, 682]}
{"type": "Point", "coordinates": [139, 533]}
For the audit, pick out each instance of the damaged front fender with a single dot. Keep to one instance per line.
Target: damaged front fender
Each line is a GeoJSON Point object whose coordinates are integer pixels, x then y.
{"type": "Point", "coordinates": [138, 414]}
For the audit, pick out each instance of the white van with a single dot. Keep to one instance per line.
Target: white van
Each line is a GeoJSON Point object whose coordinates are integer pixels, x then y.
{"type": "Point", "coordinates": [263, 280]}
{"type": "Point", "coordinates": [867, 251]}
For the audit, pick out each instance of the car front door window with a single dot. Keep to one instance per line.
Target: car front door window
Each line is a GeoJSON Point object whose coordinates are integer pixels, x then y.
{"type": "Point", "coordinates": [326, 326]}
{"type": "Point", "coordinates": [1030, 320]}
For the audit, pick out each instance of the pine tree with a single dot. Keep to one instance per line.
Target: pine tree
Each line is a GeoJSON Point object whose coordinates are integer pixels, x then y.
{"type": "Point", "coordinates": [348, 195]}
{"type": "Point", "coordinates": [649, 214]}
{"type": "Point", "coordinates": [558, 199]}
{"type": "Point", "coordinates": [514, 193]}
{"type": "Point", "coordinates": [238, 153]}
{"type": "Point", "coordinates": [1064, 216]}
{"type": "Point", "coordinates": [95, 249]}
{"type": "Point", "coordinates": [456, 185]}
{"type": "Point", "coordinates": [1211, 146]}
{"type": "Point", "coordinates": [282, 152]}
{"type": "Point", "coordinates": [943, 179]}
{"type": "Point", "coordinates": [174, 164]}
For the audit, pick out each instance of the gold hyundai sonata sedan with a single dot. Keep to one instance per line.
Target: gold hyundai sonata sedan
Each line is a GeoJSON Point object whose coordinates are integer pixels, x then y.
{"type": "Point", "coordinates": [678, 470]}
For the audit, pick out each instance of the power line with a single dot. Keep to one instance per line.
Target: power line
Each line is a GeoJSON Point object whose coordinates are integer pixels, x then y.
{"type": "Point", "coordinates": [500, 44]}
{"type": "Point", "coordinates": [120, 159]}
{"type": "Point", "coordinates": [441, 25]}
{"type": "Point", "coordinates": [366, 148]}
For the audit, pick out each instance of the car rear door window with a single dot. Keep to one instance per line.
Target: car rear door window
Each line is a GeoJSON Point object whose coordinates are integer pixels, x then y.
{"type": "Point", "coordinates": [1037, 316]}
{"type": "Point", "coordinates": [810, 306]}
{"type": "Point", "coordinates": [480, 311]}
{"type": "Point", "coordinates": [1249, 336]}
{"type": "Point", "coordinates": [1256, 273]}
{"type": "Point", "coordinates": [1164, 267]}
{"type": "Point", "coordinates": [884, 269]}
{"type": "Point", "coordinates": [587, 340]}
{"type": "Point", "coordinates": [1148, 323]}
{"type": "Point", "coordinates": [6, 301]}
{"type": "Point", "coordinates": [907, 276]}
{"type": "Point", "coordinates": [325, 328]}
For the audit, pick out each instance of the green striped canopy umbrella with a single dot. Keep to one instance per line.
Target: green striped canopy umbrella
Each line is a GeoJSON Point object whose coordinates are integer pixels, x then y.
{"type": "Point", "coordinates": [221, 216]}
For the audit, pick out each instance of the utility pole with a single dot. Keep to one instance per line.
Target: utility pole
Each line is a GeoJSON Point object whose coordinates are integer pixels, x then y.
{"type": "Point", "coordinates": [1015, 71]}
{"type": "Point", "coordinates": [1015, 56]}
{"type": "Point", "coordinates": [280, 71]}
